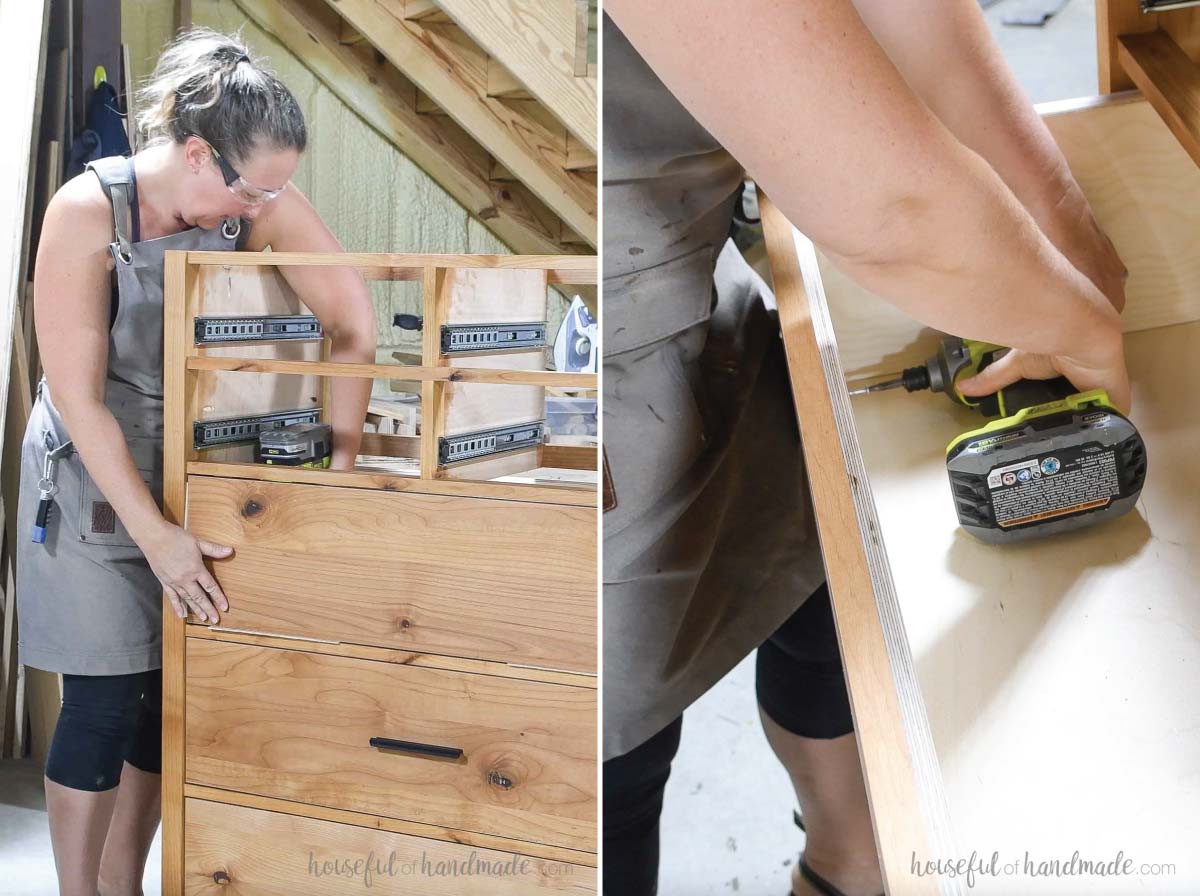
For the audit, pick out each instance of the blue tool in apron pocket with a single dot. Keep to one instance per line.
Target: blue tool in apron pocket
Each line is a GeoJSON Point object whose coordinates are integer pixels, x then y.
{"type": "Point", "coordinates": [87, 600]}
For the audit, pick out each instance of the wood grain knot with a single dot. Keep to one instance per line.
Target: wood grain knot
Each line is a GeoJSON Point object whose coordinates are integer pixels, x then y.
{"type": "Point", "coordinates": [220, 877]}
{"type": "Point", "coordinates": [496, 779]}
{"type": "Point", "coordinates": [252, 508]}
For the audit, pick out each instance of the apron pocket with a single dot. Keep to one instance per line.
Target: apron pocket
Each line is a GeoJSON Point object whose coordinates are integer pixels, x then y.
{"type": "Point", "coordinates": [98, 520]}
{"type": "Point", "coordinates": [653, 304]}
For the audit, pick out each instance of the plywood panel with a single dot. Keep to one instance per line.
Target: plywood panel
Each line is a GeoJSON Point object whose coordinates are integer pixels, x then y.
{"type": "Point", "coordinates": [236, 290]}
{"type": "Point", "coordinates": [1055, 672]}
{"type": "Point", "coordinates": [484, 295]}
{"type": "Point", "coordinates": [1143, 188]}
{"type": "Point", "coordinates": [1044, 666]}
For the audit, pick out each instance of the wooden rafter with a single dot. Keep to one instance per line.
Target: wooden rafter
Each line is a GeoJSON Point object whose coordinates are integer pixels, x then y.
{"type": "Point", "coordinates": [453, 71]}
{"type": "Point", "coordinates": [387, 101]}
{"type": "Point", "coordinates": [535, 41]}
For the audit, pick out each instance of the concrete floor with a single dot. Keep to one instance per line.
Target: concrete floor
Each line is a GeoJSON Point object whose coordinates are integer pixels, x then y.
{"type": "Point", "coordinates": [727, 825]}
{"type": "Point", "coordinates": [26, 860]}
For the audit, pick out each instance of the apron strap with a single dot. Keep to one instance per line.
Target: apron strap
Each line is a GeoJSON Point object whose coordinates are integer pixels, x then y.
{"type": "Point", "coordinates": [117, 181]}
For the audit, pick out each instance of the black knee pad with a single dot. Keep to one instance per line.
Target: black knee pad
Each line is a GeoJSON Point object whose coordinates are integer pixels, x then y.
{"type": "Point", "coordinates": [799, 678]}
{"type": "Point", "coordinates": [106, 720]}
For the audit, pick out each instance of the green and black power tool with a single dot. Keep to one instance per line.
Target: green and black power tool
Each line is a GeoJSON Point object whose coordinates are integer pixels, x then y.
{"type": "Point", "coordinates": [297, 445]}
{"type": "Point", "coordinates": [1054, 458]}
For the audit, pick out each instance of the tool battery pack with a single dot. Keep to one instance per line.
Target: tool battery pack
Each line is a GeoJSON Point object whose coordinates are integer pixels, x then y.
{"type": "Point", "coordinates": [1048, 468]}
{"type": "Point", "coordinates": [297, 445]}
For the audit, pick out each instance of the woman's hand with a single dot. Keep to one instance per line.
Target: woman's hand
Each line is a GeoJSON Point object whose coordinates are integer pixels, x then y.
{"type": "Point", "coordinates": [1073, 228]}
{"type": "Point", "coordinates": [177, 558]}
{"type": "Point", "coordinates": [1099, 365]}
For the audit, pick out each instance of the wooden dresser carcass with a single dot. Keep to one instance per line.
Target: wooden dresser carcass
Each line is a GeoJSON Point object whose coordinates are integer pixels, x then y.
{"type": "Point", "coordinates": [403, 689]}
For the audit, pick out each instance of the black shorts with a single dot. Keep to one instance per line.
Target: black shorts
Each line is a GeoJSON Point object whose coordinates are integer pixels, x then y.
{"type": "Point", "coordinates": [106, 720]}
{"type": "Point", "coordinates": [799, 684]}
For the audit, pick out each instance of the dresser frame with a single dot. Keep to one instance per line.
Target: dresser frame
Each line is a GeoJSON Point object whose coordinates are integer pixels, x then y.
{"type": "Point", "coordinates": [185, 365]}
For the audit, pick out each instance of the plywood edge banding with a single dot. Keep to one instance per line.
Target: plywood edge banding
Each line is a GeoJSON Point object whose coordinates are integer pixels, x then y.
{"type": "Point", "coordinates": [895, 743]}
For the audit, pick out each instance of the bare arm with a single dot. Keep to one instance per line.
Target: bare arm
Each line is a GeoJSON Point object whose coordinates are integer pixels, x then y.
{"type": "Point", "coordinates": [71, 313]}
{"type": "Point", "coordinates": [340, 300]}
{"type": "Point", "coordinates": [946, 53]}
{"type": "Point", "coordinates": [857, 161]}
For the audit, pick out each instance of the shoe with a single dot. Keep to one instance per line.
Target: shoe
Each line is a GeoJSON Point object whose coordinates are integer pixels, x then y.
{"type": "Point", "coordinates": [820, 884]}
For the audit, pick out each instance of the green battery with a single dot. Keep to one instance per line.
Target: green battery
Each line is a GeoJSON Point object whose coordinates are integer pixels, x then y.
{"type": "Point", "coordinates": [1045, 469]}
{"type": "Point", "coordinates": [298, 445]}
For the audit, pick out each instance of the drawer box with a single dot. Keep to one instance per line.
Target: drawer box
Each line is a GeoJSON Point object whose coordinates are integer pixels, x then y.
{"type": "Point", "coordinates": [509, 581]}
{"type": "Point", "coordinates": [297, 726]}
{"type": "Point", "coordinates": [253, 852]}
{"type": "Point", "coordinates": [996, 686]}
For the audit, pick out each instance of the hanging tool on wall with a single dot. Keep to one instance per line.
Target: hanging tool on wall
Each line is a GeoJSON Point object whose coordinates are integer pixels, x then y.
{"type": "Point", "coordinates": [1054, 458]}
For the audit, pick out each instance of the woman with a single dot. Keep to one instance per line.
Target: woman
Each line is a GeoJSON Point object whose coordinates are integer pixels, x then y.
{"type": "Point", "coordinates": [894, 135]}
{"type": "Point", "coordinates": [223, 138]}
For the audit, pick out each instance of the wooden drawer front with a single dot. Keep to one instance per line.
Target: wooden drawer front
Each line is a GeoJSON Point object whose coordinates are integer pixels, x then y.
{"type": "Point", "coordinates": [497, 580]}
{"type": "Point", "coordinates": [297, 726]}
{"type": "Point", "coordinates": [271, 854]}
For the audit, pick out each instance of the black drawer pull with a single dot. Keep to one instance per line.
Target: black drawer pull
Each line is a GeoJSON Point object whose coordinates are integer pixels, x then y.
{"type": "Point", "coordinates": [409, 746]}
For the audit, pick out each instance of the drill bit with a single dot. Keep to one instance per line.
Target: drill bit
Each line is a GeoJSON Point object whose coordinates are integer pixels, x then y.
{"type": "Point", "coordinates": [913, 379]}
{"type": "Point", "coordinates": [895, 383]}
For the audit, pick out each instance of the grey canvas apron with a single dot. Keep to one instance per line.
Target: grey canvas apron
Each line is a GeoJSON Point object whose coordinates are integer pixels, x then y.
{"type": "Point", "coordinates": [711, 544]}
{"type": "Point", "coordinates": [87, 601]}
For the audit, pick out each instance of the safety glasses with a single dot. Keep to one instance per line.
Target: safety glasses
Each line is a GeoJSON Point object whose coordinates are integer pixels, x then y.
{"type": "Point", "coordinates": [242, 189]}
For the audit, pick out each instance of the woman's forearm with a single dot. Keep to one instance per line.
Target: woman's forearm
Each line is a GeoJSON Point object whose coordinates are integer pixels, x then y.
{"type": "Point", "coordinates": [100, 444]}
{"type": "Point", "coordinates": [946, 53]}
{"type": "Point", "coordinates": [968, 259]}
{"type": "Point", "coordinates": [349, 397]}
{"type": "Point", "coordinates": [858, 162]}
